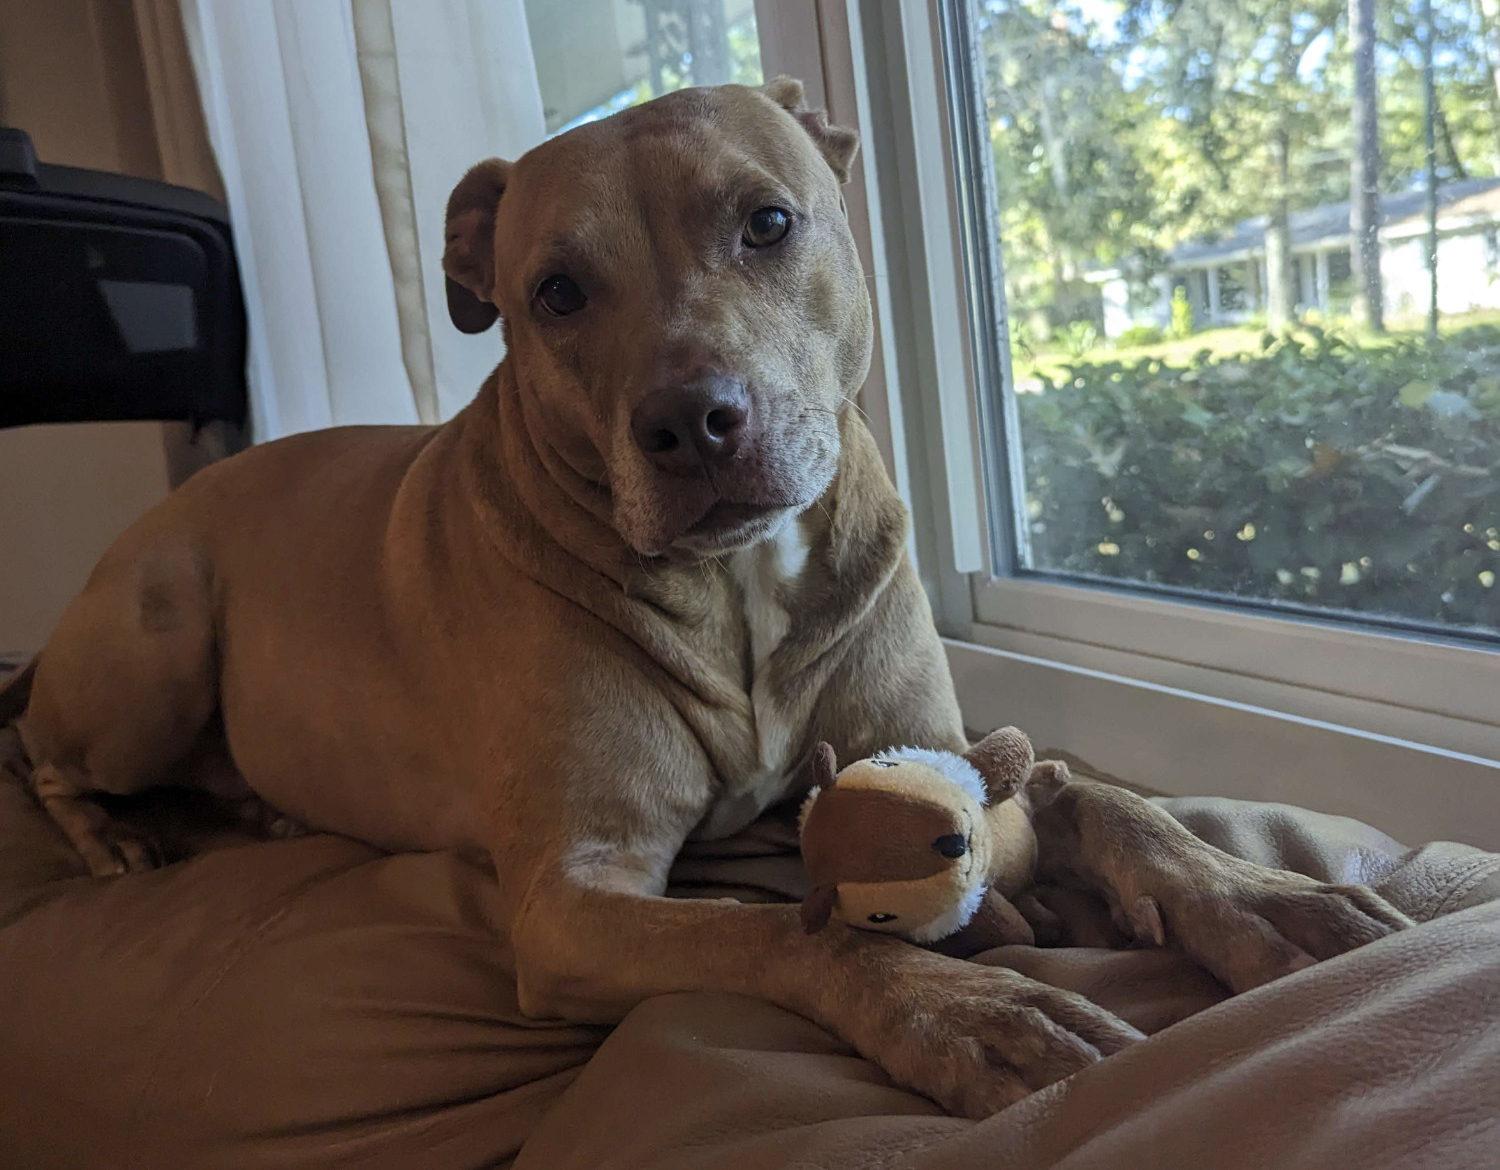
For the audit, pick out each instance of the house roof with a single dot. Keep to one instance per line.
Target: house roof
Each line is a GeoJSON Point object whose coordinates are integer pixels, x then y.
{"type": "Point", "coordinates": [1401, 214]}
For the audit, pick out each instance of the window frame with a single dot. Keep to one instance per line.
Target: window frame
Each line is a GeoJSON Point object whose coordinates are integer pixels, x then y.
{"type": "Point", "coordinates": [1341, 716]}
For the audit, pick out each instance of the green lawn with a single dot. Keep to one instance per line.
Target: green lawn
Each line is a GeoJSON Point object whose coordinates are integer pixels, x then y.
{"type": "Point", "coordinates": [1225, 342]}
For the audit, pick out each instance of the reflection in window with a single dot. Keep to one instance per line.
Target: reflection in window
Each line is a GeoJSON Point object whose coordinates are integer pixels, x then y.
{"type": "Point", "coordinates": [1219, 225]}
{"type": "Point", "coordinates": [595, 57]}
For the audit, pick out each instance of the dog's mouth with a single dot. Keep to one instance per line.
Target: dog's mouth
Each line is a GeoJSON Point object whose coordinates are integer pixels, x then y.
{"type": "Point", "coordinates": [726, 515]}
{"type": "Point", "coordinates": [730, 525]}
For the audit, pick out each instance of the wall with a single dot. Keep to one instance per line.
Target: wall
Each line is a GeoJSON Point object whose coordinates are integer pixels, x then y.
{"type": "Point", "coordinates": [72, 74]}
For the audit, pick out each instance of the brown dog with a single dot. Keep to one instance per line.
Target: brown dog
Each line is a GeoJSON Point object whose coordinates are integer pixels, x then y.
{"type": "Point", "coordinates": [613, 603]}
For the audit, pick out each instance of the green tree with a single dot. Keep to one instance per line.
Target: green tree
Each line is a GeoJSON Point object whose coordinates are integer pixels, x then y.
{"type": "Point", "coordinates": [1120, 131]}
{"type": "Point", "coordinates": [1073, 187]}
{"type": "Point", "coordinates": [1468, 105]}
{"type": "Point", "coordinates": [1242, 96]}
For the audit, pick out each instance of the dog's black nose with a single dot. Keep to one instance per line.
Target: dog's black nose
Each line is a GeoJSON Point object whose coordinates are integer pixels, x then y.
{"type": "Point", "coordinates": [691, 428]}
{"type": "Point", "coordinates": [951, 845]}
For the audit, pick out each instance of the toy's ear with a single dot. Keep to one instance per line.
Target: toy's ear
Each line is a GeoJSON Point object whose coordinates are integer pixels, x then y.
{"type": "Point", "coordinates": [837, 144]}
{"type": "Point", "coordinates": [469, 245]}
{"type": "Point", "coordinates": [825, 765]}
{"type": "Point", "coordinates": [1004, 758]}
{"type": "Point", "coordinates": [817, 907]}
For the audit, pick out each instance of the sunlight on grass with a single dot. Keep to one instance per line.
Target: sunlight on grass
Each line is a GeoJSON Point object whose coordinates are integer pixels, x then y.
{"type": "Point", "coordinates": [1228, 341]}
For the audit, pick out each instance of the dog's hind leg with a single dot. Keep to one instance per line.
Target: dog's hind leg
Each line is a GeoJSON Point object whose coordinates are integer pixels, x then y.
{"type": "Point", "coordinates": [123, 691]}
{"type": "Point", "coordinates": [106, 846]}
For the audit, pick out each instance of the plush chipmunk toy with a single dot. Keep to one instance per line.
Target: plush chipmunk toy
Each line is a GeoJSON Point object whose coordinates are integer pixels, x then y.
{"type": "Point", "coordinates": [924, 844]}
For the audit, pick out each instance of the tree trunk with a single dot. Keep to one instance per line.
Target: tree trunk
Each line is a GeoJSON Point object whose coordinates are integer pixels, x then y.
{"type": "Point", "coordinates": [1281, 297]}
{"type": "Point", "coordinates": [1364, 172]}
{"type": "Point", "coordinates": [1489, 27]}
{"type": "Point", "coordinates": [1445, 132]}
{"type": "Point", "coordinates": [1052, 141]}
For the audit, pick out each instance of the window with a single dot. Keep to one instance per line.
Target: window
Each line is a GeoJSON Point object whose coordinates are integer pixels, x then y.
{"type": "Point", "coordinates": [1168, 467]}
{"type": "Point", "coordinates": [1304, 458]}
{"type": "Point", "coordinates": [595, 57]}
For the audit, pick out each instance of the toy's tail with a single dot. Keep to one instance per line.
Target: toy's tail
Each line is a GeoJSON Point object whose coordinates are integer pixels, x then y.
{"type": "Point", "coordinates": [15, 692]}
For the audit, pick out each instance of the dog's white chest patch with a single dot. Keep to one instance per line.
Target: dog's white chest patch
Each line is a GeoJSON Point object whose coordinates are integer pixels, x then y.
{"type": "Point", "coordinates": [762, 571]}
{"type": "Point", "coordinates": [765, 575]}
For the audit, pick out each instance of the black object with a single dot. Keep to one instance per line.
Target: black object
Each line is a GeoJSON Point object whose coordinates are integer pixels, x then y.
{"type": "Point", "coordinates": [119, 298]}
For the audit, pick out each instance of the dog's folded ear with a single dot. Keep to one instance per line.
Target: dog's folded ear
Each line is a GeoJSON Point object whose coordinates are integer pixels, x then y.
{"type": "Point", "coordinates": [837, 144]}
{"type": "Point", "coordinates": [469, 245]}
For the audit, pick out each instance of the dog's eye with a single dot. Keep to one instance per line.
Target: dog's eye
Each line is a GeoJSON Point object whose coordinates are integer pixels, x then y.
{"type": "Point", "coordinates": [560, 295]}
{"type": "Point", "coordinates": [765, 227]}
{"type": "Point", "coordinates": [882, 918]}
{"type": "Point", "coordinates": [884, 763]}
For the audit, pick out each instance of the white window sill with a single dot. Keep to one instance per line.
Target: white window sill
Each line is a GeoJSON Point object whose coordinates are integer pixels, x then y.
{"type": "Point", "coordinates": [1181, 742]}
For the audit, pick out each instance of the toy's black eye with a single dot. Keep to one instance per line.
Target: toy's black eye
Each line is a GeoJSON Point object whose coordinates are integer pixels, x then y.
{"type": "Point", "coordinates": [560, 295]}
{"type": "Point", "coordinates": [765, 227]}
{"type": "Point", "coordinates": [884, 763]}
{"type": "Point", "coordinates": [951, 845]}
{"type": "Point", "coordinates": [882, 918]}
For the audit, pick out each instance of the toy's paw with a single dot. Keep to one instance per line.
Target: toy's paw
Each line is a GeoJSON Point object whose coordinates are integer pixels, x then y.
{"type": "Point", "coordinates": [976, 1039]}
{"type": "Point", "coordinates": [1248, 924]}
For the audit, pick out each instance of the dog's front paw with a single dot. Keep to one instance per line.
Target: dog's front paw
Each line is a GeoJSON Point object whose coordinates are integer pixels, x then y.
{"type": "Point", "coordinates": [1248, 924]}
{"type": "Point", "coordinates": [976, 1039]}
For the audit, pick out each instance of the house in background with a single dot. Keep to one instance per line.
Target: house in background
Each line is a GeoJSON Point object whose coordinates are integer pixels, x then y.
{"type": "Point", "coordinates": [1224, 279]}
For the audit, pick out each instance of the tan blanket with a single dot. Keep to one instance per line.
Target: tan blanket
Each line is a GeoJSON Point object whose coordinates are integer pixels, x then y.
{"type": "Point", "coordinates": [312, 1003]}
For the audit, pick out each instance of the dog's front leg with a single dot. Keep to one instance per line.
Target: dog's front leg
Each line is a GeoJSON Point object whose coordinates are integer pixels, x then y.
{"type": "Point", "coordinates": [1245, 923]}
{"type": "Point", "coordinates": [594, 938]}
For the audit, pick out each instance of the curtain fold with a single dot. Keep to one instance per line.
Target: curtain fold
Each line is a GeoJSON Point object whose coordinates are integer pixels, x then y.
{"type": "Point", "coordinates": [339, 128]}
{"type": "Point", "coordinates": [375, 41]}
{"type": "Point", "coordinates": [466, 89]}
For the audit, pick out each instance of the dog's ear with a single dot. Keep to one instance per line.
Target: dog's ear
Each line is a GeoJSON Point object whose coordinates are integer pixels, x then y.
{"type": "Point", "coordinates": [469, 245]}
{"type": "Point", "coordinates": [817, 907]}
{"type": "Point", "coordinates": [837, 144]}
{"type": "Point", "coordinates": [1004, 758]}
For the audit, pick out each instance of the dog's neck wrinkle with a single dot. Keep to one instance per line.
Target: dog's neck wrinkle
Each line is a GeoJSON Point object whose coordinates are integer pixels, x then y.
{"type": "Point", "coordinates": [556, 498]}
{"type": "Point", "coordinates": [541, 531]}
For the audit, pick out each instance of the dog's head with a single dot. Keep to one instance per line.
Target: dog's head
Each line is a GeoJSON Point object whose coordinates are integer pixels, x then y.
{"type": "Point", "coordinates": [683, 305]}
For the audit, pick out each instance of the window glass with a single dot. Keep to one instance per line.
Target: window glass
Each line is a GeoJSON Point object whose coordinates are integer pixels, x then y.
{"type": "Point", "coordinates": [594, 57]}
{"type": "Point", "coordinates": [1234, 370]}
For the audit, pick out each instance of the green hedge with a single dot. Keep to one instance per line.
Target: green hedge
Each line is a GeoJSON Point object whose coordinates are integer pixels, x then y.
{"type": "Point", "coordinates": [1314, 471]}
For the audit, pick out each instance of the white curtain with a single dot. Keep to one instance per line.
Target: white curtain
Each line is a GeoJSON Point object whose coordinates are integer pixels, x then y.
{"type": "Point", "coordinates": [339, 127]}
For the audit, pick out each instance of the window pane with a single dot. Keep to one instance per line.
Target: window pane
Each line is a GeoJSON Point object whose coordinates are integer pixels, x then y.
{"type": "Point", "coordinates": [594, 57]}
{"type": "Point", "coordinates": [1226, 372]}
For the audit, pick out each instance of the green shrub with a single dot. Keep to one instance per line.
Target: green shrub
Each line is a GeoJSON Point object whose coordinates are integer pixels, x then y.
{"type": "Point", "coordinates": [1313, 471]}
{"type": "Point", "coordinates": [1078, 337]}
{"type": "Point", "coordinates": [1138, 335]}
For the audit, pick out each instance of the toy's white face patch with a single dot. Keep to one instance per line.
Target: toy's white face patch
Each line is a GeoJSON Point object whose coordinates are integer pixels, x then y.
{"type": "Point", "coordinates": [924, 910]}
{"type": "Point", "coordinates": [947, 764]}
{"type": "Point", "coordinates": [956, 918]}
{"type": "Point", "coordinates": [895, 907]}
